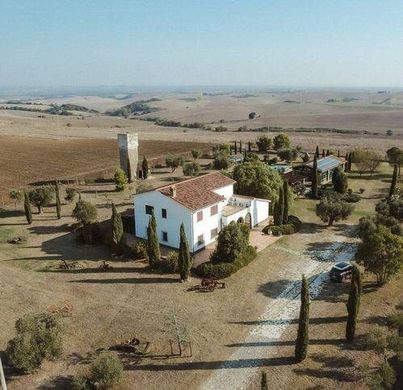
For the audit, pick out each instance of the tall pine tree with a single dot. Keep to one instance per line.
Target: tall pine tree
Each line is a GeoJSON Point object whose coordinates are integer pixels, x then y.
{"type": "Point", "coordinates": [393, 185]}
{"type": "Point", "coordinates": [353, 304]}
{"type": "Point", "coordinates": [58, 203]}
{"type": "Point", "coordinates": [27, 208]}
{"type": "Point", "coordinates": [117, 231]}
{"type": "Point", "coordinates": [314, 187]}
{"type": "Point", "coordinates": [301, 345]}
{"type": "Point", "coordinates": [323, 153]}
{"type": "Point", "coordinates": [184, 258]}
{"type": "Point", "coordinates": [152, 244]}
{"type": "Point", "coordinates": [145, 168]}
{"type": "Point", "coordinates": [317, 151]}
{"type": "Point", "coordinates": [350, 161]}
{"type": "Point", "coordinates": [286, 198]}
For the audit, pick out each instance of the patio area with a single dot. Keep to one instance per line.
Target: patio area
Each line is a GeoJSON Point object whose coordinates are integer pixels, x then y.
{"type": "Point", "coordinates": [256, 239]}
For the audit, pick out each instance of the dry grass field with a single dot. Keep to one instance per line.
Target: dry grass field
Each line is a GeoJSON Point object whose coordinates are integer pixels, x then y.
{"type": "Point", "coordinates": [132, 301]}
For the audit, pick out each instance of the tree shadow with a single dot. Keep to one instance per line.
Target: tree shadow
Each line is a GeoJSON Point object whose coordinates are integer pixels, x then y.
{"type": "Point", "coordinates": [345, 375]}
{"type": "Point", "coordinates": [216, 364]}
{"type": "Point", "coordinates": [58, 383]}
{"type": "Point", "coordinates": [146, 280]}
{"type": "Point", "coordinates": [50, 229]}
{"type": "Point", "coordinates": [311, 228]}
{"type": "Point", "coordinates": [312, 321]}
{"type": "Point", "coordinates": [284, 343]}
{"type": "Point", "coordinates": [11, 213]}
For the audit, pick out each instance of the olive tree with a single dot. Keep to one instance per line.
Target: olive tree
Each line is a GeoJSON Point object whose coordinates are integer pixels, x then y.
{"type": "Point", "coordinates": [332, 208]}
{"type": "Point", "coordinates": [41, 196]}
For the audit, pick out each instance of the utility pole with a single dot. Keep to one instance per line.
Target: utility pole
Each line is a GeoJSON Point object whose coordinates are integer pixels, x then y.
{"type": "Point", "coordinates": [2, 378]}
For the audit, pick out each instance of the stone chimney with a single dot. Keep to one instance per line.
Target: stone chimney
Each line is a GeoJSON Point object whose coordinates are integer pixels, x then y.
{"type": "Point", "coordinates": [172, 191]}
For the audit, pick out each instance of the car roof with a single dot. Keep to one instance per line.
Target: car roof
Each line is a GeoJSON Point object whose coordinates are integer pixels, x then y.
{"type": "Point", "coordinates": [342, 265]}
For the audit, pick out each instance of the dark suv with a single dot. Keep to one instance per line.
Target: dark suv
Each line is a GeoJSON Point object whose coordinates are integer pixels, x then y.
{"type": "Point", "coordinates": [340, 271]}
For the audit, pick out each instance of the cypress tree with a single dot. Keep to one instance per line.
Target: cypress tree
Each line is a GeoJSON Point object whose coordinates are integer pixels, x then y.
{"type": "Point", "coordinates": [184, 258]}
{"type": "Point", "coordinates": [314, 187]}
{"type": "Point", "coordinates": [317, 151]}
{"type": "Point", "coordinates": [350, 161]}
{"type": "Point", "coordinates": [152, 244]}
{"type": "Point", "coordinates": [286, 193]}
{"type": "Point", "coordinates": [145, 168]}
{"type": "Point", "coordinates": [327, 152]}
{"type": "Point", "coordinates": [117, 231]}
{"type": "Point", "coordinates": [338, 153]}
{"type": "Point", "coordinates": [249, 146]}
{"type": "Point", "coordinates": [129, 172]}
{"type": "Point", "coordinates": [302, 341]}
{"type": "Point", "coordinates": [240, 146]}
{"type": "Point", "coordinates": [276, 216]}
{"type": "Point", "coordinates": [353, 304]}
{"type": "Point", "coordinates": [263, 382]}
{"type": "Point", "coordinates": [393, 185]}
{"type": "Point", "coordinates": [27, 208]}
{"type": "Point", "coordinates": [58, 204]}
{"type": "Point", "coordinates": [281, 205]}
{"type": "Point", "coordinates": [323, 153]}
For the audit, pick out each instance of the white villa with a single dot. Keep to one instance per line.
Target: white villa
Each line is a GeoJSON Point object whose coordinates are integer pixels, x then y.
{"type": "Point", "coordinates": [204, 205]}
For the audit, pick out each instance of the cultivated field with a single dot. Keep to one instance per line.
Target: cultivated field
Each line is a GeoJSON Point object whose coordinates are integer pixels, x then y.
{"type": "Point", "coordinates": [25, 161]}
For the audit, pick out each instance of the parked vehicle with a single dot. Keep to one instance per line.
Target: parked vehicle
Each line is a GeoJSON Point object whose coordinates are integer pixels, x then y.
{"type": "Point", "coordinates": [340, 271]}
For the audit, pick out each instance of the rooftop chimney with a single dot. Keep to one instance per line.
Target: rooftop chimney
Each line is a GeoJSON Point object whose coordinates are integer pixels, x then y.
{"type": "Point", "coordinates": [172, 191]}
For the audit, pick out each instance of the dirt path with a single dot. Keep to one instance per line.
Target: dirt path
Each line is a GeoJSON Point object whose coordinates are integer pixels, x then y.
{"type": "Point", "coordinates": [252, 352]}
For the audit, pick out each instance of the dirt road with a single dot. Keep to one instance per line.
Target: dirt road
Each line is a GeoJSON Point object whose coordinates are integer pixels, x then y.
{"type": "Point", "coordinates": [252, 352]}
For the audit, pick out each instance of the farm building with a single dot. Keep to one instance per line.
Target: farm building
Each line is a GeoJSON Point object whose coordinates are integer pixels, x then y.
{"type": "Point", "coordinates": [326, 167]}
{"type": "Point", "coordinates": [204, 205]}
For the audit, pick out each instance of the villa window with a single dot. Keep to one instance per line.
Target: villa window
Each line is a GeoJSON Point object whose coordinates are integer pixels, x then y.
{"type": "Point", "coordinates": [214, 233]}
{"type": "Point", "coordinates": [214, 210]}
{"type": "Point", "coordinates": [200, 216]}
{"type": "Point", "coordinates": [200, 240]}
{"type": "Point", "coordinates": [164, 236]}
{"type": "Point", "coordinates": [164, 213]}
{"type": "Point", "coordinates": [149, 209]}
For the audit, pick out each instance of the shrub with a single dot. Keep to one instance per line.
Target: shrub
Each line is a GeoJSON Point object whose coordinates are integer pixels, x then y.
{"type": "Point", "coordinates": [223, 270]}
{"type": "Point", "coordinates": [41, 196]}
{"type": "Point", "coordinates": [38, 338]}
{"type": "Point", "coordinates": [70, 194]}
{"type": "Point", "coordinates": [191, 169]}
{"type": "Point", "coordinates": [85, 212]}
{"type": "Point", "coordinates": [294, 220]}
{"type": "Point", "coordinates": [80, 383]}
{"type": "Point", "coordinates": [287, 229]}
{"type": "Point", "coordinates": [106, 370]}
{"type": "Point", "coordinates": [276, 230]}
{"type": "Point", "coordinates": [139, 250]}
{"type": "Point", "coordinates": [170, 264]}
{"type": "Point", "coordinates": [362, 190]}
{"type": "Point", "coordinates": [351, 198]}
{"type": "Point", "coordinates": [266, 229]}
{"type": "Point", "coordinates": [120, 179]}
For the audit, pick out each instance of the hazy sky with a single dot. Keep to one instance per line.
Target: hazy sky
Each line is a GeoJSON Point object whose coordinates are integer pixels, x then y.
{"type": "Point", "coordinates": [204, 42]}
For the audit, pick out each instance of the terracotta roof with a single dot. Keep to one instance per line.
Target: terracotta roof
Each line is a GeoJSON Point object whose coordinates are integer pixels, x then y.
{"type": "Point", "coordinates": [198, 192]}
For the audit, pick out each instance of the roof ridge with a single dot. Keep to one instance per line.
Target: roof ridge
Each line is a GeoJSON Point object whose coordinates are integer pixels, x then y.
{"type": "Point", "coordinates": [189, 180]}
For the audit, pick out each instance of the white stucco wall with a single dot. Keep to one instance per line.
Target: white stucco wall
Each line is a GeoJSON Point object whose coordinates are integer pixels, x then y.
{"type": "Point", "coordinates": [226, 191]}
{"type": "Point", "coordinates": [262, 210]}
{"type": "Point", "coordinates": [205, 226]}
{"type": "Point", "coordinates": [176, 215]}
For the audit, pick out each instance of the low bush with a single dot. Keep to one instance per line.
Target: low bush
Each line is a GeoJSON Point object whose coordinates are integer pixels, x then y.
{"type": "Point", "coordinates": [287, 229]}
{"type": "Point", "coordinates": [103, 374]}
{"type": "Point", "coordinates": [351, 198]}
{"type": "Point", "coordinates": [293, 226]}
{"type": "Point", "coordinates": [139, 250]}
{"type": "Point", "coordinates": [39, 337]}
{"type": "Point", "coordinates": [223, 270]}
{"type": "Point", "coordinates": [170, 263]}
{"type": "Point", "coordinates": [106, 370]}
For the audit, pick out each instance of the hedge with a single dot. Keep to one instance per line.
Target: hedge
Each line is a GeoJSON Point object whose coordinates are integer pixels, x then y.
{"type": "Point", "coordinates": [293, 226]}
{"type": "Point", "coordinates": [223, 270]}
{"type": "Point", "coordinates": [351, 198]}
